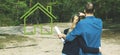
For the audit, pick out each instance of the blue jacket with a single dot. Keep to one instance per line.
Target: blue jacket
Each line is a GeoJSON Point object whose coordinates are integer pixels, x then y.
{"type": "Point", "coordinates": [90, 29]}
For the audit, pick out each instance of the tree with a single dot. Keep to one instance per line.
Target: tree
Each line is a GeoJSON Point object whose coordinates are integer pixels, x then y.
{"type": "Point", "coordinates": [12, 10]}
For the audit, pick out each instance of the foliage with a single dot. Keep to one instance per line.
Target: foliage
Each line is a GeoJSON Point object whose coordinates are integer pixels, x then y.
{"type": "Point", "coordinates": [12, 10]}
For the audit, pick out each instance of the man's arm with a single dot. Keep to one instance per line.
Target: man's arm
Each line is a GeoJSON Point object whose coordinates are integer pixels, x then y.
{"type": "Point", "coordinates": [73, 34]}
{"type": "Point", "coordinates": [85, 48]}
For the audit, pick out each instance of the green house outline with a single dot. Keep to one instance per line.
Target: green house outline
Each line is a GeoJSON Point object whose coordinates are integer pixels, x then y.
{"type": "Point", "coordinates": [46, 12]}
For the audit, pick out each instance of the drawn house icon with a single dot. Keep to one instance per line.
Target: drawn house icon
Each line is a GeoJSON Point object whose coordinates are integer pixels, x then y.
{"type": "Point", "coordinates": [45, 11]}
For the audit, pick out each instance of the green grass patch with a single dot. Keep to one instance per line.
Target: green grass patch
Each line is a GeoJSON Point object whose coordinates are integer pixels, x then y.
{"type": "Point", "coordinates": [12, 39]}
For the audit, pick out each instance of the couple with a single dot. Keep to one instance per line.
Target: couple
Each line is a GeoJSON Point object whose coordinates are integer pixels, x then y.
{"type": "Point", "coordinates": [85, 37]}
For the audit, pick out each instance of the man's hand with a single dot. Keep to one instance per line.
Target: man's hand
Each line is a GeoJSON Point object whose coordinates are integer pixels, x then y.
{"type": "Point", "coordinates": [81, 14]}
{"type": "Point", "coordinates": [100, 50]}
{"type": "Point", "coordinates": [61, 36]}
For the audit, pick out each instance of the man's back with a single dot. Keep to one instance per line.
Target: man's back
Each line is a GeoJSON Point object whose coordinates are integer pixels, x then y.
{"type": "Point", "coordinates": [91, 32]}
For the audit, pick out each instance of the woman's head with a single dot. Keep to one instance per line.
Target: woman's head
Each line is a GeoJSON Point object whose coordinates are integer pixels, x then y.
{"type": "Point", "coordinates": [75, 20]}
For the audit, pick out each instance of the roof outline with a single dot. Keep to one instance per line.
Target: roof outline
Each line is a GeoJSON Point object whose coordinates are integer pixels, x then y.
{"type": "Point", "coordinates": [34, 8]}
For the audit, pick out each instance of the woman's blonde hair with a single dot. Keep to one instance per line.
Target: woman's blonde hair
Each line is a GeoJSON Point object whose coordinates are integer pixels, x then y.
{"type": "Point", "coordinates": [75, 19]}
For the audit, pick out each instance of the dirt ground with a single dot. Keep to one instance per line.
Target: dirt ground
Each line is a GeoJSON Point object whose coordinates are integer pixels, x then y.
{"type": "Point", "coordinates": [51, 45]}
{"type": "Point", "coordinates": [45, 46]}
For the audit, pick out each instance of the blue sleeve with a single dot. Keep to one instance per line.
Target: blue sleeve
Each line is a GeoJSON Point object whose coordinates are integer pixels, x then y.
{"type": "Point", "coordinates": [76, 31]}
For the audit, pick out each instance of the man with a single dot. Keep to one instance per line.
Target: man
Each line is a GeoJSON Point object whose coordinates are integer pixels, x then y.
{"type": "Point", "coordinates": [90, 29]}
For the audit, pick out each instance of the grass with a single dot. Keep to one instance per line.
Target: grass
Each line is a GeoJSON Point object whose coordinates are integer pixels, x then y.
{"type": "Point", "coordinates": [107, 25]}
{"type": "Point", "coordinates": [111, 36]}
{"type": "Point", "coordinates": [11, 39]}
